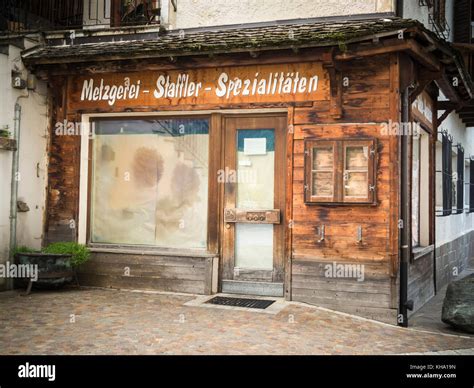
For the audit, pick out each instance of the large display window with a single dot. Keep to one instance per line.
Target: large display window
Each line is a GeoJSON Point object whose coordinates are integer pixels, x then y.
{"type": "Point", "coordinates": [149, 182]}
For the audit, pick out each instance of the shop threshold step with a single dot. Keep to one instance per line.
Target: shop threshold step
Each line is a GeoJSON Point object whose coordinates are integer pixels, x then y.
{"type": "Point", "coordinates": [252, 288]}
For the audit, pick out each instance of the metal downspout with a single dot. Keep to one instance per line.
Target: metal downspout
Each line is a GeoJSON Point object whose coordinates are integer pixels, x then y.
{"type": "Point", "coordinates": [15, 178]}
{"type": "Point", "coordinates": [405, 173]}
{"type": "Point", "coordinates": [399, 10]}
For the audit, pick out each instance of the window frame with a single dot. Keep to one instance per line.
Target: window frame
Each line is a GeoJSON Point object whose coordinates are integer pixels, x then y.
{"type": "Point", "coordinates": [418, 197]}
{"type": "Point", "coordinates": [471, 186]}
{"type": "Point", "coordinates": [309, 171]}
{"type": "Point", "coordinates": [426, 179]}
{"type": "Point", "coordinates": [460, 179]}
{"type": "Point", "coordinates": [116, 16]}
{"type": "Point", "coordinates": [339, 157]}
{"type": "Point", "coordinates": [446, 175]}
{"type": "Point", "coordinates": [211, 248]}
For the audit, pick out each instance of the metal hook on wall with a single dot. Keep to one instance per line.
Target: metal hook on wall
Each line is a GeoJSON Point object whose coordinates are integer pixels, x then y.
{"type": "Point", "coordinates": [321, 234]}
{"type": "Point", "coordinates": [359, 235]}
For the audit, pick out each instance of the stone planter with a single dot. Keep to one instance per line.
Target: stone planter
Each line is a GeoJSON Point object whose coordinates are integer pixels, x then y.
{"type": "Point", "coordinates": [7, 144]}
{"type": "Point", "coordinates": [54, 270]}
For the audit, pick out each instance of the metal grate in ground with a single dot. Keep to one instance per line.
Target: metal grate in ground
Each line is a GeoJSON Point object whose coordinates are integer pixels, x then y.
{"type": "Point", "coordinates": [241, 302]}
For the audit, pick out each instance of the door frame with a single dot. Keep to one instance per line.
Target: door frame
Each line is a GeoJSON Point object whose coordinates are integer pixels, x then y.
{"type": "Point", "coordinates": [227, 236]}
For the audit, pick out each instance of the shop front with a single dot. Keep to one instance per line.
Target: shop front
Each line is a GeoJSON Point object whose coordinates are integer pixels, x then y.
{"type": "Point", "coordinates": [196, 182]}
{"type": "Point", "coordinates": [262, 168]}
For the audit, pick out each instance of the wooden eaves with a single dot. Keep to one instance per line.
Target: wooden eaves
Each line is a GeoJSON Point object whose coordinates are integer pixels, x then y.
{"type": "Point", "coordinates": [331, 41]}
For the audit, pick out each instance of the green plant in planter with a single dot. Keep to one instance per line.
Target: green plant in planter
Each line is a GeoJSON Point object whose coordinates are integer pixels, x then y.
{"type": "Point", "coordinates": [5, 133]}
{"type": "Point", "coordinates": [80, 253]}
{"type": "Point", "coordinates": [24, 249]}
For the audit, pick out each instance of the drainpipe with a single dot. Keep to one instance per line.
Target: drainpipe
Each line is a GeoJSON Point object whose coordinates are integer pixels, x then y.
{"type": "Point", "coordinates": [399, 10]}
{"type": "Point", "coordinates": [404, 250]}
{"type": "Point", "coordinates": [14, 183]}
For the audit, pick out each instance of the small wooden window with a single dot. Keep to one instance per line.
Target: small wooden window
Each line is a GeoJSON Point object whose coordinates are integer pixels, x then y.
{"type": "Point", "coordinates": [322, 171]}
{"type": "Point", "coordinates": [340, 171]}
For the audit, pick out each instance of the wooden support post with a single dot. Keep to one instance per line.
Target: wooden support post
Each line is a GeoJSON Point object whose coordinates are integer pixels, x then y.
{"type": "Point", "coordinates": [335, 79]}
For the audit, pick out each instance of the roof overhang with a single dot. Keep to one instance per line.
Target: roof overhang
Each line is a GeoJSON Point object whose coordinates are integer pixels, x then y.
{"type": "Point", "coordinates": [347, 40]}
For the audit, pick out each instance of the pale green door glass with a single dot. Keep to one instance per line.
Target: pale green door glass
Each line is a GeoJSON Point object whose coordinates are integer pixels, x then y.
{"type": "Point", "coordinates": [255, 191]}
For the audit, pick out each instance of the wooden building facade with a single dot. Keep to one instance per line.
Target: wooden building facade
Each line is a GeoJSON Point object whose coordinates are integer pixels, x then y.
{"type": "Point", "coordinates": [268, 160]}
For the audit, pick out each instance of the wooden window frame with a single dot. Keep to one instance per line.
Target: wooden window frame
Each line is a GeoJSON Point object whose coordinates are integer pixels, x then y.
{"type": "Point", "coordinates": [427, 168]}
{"type": "Point", "coordinates": [418, 216]}
{"type": "Point", "coordinates": [339, 157]}
{"type": "Point", "coordinates": [315, 144]}
{"type": "Point", "coordinates": [446, 174]}
{"type": "Point", "coordinates": [116, 14]}
{"type": "Point", "coordinates": [214, 190]}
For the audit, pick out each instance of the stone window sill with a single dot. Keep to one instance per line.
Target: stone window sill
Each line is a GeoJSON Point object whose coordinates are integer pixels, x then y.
{"type": "Point", "coordinates": [419, 252]}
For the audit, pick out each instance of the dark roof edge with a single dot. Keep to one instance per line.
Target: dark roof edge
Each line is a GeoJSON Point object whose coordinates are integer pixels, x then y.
{"type": "Point", "coordinates": [147, 32]}
{"type": "Point", "coordinates": [283, 22]}
{"type": "Point", "coordinates": [182, 53]}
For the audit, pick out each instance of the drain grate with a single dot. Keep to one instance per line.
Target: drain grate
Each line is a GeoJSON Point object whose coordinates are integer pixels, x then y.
{"type": "Point", "coordinates": [241, 302]}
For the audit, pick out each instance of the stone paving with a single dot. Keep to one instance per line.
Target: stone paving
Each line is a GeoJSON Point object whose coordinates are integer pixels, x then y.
{"type": "Point", "coordinates": [99, 321]}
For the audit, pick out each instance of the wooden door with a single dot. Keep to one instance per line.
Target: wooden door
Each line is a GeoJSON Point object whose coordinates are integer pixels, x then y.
{"type": "Point", "coordinates": [253, 206]}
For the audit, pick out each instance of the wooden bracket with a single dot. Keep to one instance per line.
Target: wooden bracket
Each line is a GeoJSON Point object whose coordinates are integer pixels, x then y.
{"type": "Point", "coordinates": [335, 81]}
{"type": "Point", "coordinates": [447, 112]}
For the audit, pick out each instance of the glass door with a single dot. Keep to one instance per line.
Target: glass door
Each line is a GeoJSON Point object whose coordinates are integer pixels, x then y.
{"type": "Point", "coordinates": [253, 237]}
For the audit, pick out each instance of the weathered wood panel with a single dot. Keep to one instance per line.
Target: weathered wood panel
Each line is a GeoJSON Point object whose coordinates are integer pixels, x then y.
{"type": "Point", "coordinates": [160, 273]}
{"type": "Point", "coordinates": [370, 98]}
{"type": "Point", "coordinates": [420, 280]}
{"type": "Point", "coordinates": [63, 172]}
{"type": "Point", "coordinates": [370, 298]}
{"type": "Point", "coordinates": [341, 222]}
{"type": "Point", "coordinates": [219, 85]}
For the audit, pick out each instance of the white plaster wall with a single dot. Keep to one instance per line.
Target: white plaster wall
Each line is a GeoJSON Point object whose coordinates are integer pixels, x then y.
{"type": "Point", "coordinates": [33, 152]}
{"type": "Point", "coordinates": [200, 13]}
{"type": "Point", "coordinates": [412, 10]}
{"type": "Point", "coordinates": [450, 227]}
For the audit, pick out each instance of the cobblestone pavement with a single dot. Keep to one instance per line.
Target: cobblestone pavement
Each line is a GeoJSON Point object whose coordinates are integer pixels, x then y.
{"type": "Point", "coordinates": [97, 321]}
{"type": "Point", "coordinates": [457, 352]}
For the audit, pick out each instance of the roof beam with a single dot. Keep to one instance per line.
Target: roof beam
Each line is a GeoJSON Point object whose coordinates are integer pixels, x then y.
{"type": "Point", "coordinates": [423, 56]}
{"type": "Point", "coordinates": [383, 47]}
{"type": "Point", "coordinates": [467, 116]}
{"type": "Point", "coordinates": [393, 45]}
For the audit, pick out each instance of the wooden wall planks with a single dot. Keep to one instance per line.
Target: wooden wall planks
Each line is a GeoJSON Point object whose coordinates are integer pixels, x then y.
{"type": "Point", "coordinates": [164, 273]}
{"type": "Point", "coordinates": [370, 98]}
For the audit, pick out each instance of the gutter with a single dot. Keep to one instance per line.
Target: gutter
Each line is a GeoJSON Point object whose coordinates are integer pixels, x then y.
{"type": "Point", "coordinates": [14, 183]}
{"type": "Point", "coordinates": [399, 8]}
{"type": "Point", "coordinates": [404, 232]}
